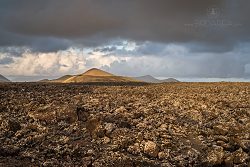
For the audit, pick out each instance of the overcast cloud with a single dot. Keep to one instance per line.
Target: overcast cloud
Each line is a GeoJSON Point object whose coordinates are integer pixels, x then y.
{"type": "Point", "coordinates": [165, 38]}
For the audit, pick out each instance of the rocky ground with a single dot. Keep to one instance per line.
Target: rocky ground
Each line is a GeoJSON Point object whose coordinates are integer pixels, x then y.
{"type": "Point", "coordinates": [175, 124]}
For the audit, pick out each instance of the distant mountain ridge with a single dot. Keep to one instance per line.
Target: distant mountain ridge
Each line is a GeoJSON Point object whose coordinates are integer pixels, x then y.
{"type": "Point", "coordinates": [97, 75]}
{"type": "Point", "coordinates": [151, 79]}
{"type": "Point", "coordinates": [91, 75]}
{"type": "Point", "coordinates": [4, 79]}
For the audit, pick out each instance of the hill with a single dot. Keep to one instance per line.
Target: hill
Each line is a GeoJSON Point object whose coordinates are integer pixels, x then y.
{"type": "Point", "coordinates": [3, 79]}
{"type": "Point", "coordinates": [170, 80]}
{"type": "Point", "coordinates": [44, 80]}
{"type": "Point", "coordinates": [97, 72]}
{"type": "Point", "coordinates": [58, 80]}
{"type": "Point", "coordinates": [97, 75]}
{"type": "Point", "coordinates": [150, 79]}
{"type": "Point", "coordinates": [61, 79]}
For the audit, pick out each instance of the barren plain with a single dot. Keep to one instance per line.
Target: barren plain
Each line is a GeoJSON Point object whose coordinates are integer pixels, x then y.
{"type": "Point", "coordinates": [173, 124]}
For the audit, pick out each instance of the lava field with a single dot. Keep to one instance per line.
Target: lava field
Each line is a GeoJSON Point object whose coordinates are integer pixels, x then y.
{"type": "Point", "coordinates": [172, 124]}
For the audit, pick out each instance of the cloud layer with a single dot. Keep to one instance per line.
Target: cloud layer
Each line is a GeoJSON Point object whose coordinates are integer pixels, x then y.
{"type": "Point", "coordinates": [49, 25]}
{"type": "Point", "coordinates": [129, 59]}
{"type": "Point", "coordinates": [165, 38]}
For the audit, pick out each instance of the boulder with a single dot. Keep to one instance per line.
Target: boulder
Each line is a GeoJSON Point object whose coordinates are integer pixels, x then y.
{"type": "Point", "coordinates": [151, 149]}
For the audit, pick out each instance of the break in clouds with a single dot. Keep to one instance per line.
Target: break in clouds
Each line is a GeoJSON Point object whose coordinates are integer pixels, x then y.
{"type": "Point", "coordinates": [164, 38]}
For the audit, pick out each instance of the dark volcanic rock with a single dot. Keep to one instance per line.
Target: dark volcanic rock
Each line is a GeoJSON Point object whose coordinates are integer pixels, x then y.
{"type": "Point", "coordinates": [14, 125]}
{"type": "Point", "coordinates": [178, 124]}
{"type": "Point", "coordinates": [6, 151]}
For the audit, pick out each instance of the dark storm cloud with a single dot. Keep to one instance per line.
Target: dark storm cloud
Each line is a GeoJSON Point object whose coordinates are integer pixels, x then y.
{"type": "Point", "coordinates": [217, 65]}
{"type": "Point", "coordinates": [42, 24]}
{"type": "Point", "coordinates": [35, 43]}
{"type": "Point", "coordinates": [105, 49]}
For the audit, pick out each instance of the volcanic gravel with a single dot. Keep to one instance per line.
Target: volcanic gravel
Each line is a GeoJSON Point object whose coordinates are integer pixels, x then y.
{"type": "Point", "coordinates": [173, 124]}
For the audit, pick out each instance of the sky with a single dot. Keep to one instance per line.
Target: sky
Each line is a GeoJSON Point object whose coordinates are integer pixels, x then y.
{"type": "Point", "coordinates": [163, 38]}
